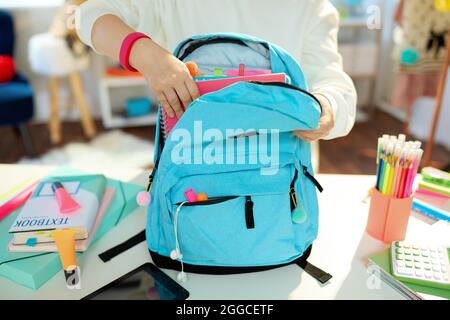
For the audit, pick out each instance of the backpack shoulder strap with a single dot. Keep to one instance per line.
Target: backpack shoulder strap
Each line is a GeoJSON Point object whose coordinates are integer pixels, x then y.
{"type": "Point", "coordinates": [311, 269]}
{"type": "Point", "coordinates": [122, 247]}
{"type": "Point", "coordinates": [314, 272]}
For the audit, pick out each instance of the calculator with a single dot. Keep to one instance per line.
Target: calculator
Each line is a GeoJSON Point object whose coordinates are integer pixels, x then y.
{"type": "Point", "coordinates": [422, 265]}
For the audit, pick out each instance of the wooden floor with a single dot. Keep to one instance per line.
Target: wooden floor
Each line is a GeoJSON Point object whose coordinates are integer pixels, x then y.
{"type": "Point", "coordinates": [354, 154]}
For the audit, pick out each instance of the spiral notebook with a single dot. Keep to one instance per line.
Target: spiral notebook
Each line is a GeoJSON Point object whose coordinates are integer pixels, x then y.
{"type": "Point", "coordinates": [207, 86]}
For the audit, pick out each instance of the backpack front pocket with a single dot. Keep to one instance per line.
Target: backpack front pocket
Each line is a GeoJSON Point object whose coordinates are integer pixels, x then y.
{"type": "Point", "coordinates": [237, 231]}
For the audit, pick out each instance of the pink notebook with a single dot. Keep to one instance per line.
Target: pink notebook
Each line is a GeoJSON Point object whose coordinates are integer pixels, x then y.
{"type": "Point", "coordinates": [206, 86]}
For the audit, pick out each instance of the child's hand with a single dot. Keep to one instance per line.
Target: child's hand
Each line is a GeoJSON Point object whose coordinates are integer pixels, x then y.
{"type": "Point", "coordinates": [169, 78]}
{"type": "Point", "coordinates": [326, 123]}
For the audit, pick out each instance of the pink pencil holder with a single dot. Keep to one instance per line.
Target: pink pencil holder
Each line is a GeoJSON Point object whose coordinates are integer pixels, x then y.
{"type": "Point", "coordinates": [388, 217]}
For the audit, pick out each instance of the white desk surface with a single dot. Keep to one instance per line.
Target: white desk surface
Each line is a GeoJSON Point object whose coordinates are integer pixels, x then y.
{"type": "Point", "coordinates": [342, 249]}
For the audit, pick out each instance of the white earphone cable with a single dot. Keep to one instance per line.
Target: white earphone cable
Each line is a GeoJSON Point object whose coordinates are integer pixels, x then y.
{"type": "Point", "coordinates": [178, 254]}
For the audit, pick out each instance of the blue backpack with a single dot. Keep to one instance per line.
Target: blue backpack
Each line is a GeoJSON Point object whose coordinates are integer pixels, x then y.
{"type": "Point", "coordinates": [236, 145]}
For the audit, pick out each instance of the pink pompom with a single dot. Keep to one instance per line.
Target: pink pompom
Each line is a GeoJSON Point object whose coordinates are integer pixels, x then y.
{"type": "Point", "coordinates": [143, 198]}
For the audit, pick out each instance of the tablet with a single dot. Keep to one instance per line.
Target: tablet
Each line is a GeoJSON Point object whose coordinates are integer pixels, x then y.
{"type": "Point", "coordinates": [144, 283]}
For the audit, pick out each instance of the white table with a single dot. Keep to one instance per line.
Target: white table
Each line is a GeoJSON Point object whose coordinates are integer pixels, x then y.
{"type": "Point", "coordinates": [341, 249]}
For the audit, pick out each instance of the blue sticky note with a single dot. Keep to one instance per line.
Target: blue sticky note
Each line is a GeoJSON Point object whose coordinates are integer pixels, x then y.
{"type": "Point", "coordinates": [31, 242]}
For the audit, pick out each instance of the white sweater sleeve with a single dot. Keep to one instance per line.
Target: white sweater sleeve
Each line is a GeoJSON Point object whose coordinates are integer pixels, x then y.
{"type": "Point", "coordinates": [128, 10]}
{"type": "Point", "coordinates": [322, 64]}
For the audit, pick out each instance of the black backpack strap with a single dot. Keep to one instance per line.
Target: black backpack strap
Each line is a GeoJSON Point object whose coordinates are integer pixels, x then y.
{"type": "Point", "coordinates": [314, 272]}
{"type": "Point", "coordinates": [122, 247]}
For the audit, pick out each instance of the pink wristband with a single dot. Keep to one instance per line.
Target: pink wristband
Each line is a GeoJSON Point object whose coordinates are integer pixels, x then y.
{"type": "Point", "coordinates": [125, 48]}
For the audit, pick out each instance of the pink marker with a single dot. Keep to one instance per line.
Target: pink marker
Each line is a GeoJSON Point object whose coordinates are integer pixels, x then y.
{"type": "Point", "coordinates": [17, 201]}
{"type": "Point", "coordinates": [66, 203]}
{"type": "Point", "coordinates": [241, 70]}
{"type": "Point", "coordinates": [415, 168]}
{"type": "Point", "coordinates": [190, 195]}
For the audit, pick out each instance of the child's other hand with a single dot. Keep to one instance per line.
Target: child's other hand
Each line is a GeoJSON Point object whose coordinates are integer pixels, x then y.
{"type": "Point", "coordinates": [326, 123]}
{"type": "Point", "coordinates": [169, 78]}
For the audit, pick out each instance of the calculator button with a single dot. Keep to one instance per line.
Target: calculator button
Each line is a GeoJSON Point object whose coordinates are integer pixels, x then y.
{"type": "Point", "coordinates": [399, 250]}
{"type": "Point", "coordinates": [436, 267]}
{"type": "Point", "coordinates": [434, 255]}
{"type": "Point", "coordinates": [408, 258]}
{"type": "Point", "coordinates": [437, 276]}
{"type": "Point", "coordinates": [432, 250]}
{"type": "Point", "coordinates": [417, 259]}
{"type": "Point", "coordinates": [408, 271]}
{"type": "Point", "coordinates": [427, 266]}
{"type": "Point", "coordinates": [419, 273]}
{"type": "Point", "coordinates": [434, 261]}
{"type": "Point", "coordinates": [428, 274]}
{"type": "Point", "coordinates": [401, 270]}
{"type": "Point", "coordinates": [400, 263]}
{"type": "Point", "coordinates": [418, 265]}
{"type": "Point", "coordinates": [425, 254]}
{"type": "Point", "coordinates": [409, 264]}
{"type": "Point", "coordinates": [399, 257]}
{"type": "Point", "coordinates": [408, 252]}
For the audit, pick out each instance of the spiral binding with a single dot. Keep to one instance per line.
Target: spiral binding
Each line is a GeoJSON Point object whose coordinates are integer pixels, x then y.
{"type": "Point", "coordinates": [163, 124]}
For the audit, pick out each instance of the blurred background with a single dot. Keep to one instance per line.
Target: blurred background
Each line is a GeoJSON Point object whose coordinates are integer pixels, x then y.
{"type": "Point", "coordinates": [63, 104]}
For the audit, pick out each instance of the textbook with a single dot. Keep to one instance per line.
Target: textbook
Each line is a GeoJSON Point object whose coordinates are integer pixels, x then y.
{"type": "Point", "coordinates": [40, 215]}
{"type": "Point", "coordinates": [80, 245]}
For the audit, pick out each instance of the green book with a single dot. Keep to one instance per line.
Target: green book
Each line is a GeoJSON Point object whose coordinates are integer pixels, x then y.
{"type": "Point", "coordinates": [382, 261]}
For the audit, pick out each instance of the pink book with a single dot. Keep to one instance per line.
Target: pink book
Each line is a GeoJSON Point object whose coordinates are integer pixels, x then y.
{"type": "Point", "coordinates": [207, 86]}
{"type": "Point", "coordinates": [430, 193]}
{"type": "Point", "coordinates": [433, 198]}
{"type": "Point", "coordinates": [80, 245]}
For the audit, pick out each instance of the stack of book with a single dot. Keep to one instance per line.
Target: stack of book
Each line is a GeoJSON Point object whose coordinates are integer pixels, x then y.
{"type": "Point", "coordinates": [40, 216]}
{"type": "Point", "coordinates": [432, 198]}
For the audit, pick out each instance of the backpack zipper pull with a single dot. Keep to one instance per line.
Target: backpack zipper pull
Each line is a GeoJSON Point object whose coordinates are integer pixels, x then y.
{"type": "Point", "coordinates": [311, 177]}
{"type": "Point", "coordinates": [298, 212]}
{"type": "Point", "coordinates": [143, 198]}
{"type": "Point", "coordinates": [249, 219]}
{"type": "Point", "coordinates": [293, 198]}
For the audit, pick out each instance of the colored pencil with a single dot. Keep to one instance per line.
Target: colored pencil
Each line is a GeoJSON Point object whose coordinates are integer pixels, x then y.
{"type": "Point", "coordinates": [397, 162]}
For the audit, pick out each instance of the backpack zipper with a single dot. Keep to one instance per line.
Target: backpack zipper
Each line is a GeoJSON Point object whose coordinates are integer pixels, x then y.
{"type": "Point", "coordinates": [249, 218]}
{"type": "Point", "coordinates": [210, 201]}
{"type": "Point", "coordinates": [211, 40]}
{"type": "Point", "coordinates": [284, 85]}
{"type": "Point", "coordinates": [150, 179]}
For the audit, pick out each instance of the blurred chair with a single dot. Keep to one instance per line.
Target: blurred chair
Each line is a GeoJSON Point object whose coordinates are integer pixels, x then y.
{"type": "Point", "coordinates": [16, 96]}
{"type": "Point", "coordinates": [51, 56]}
